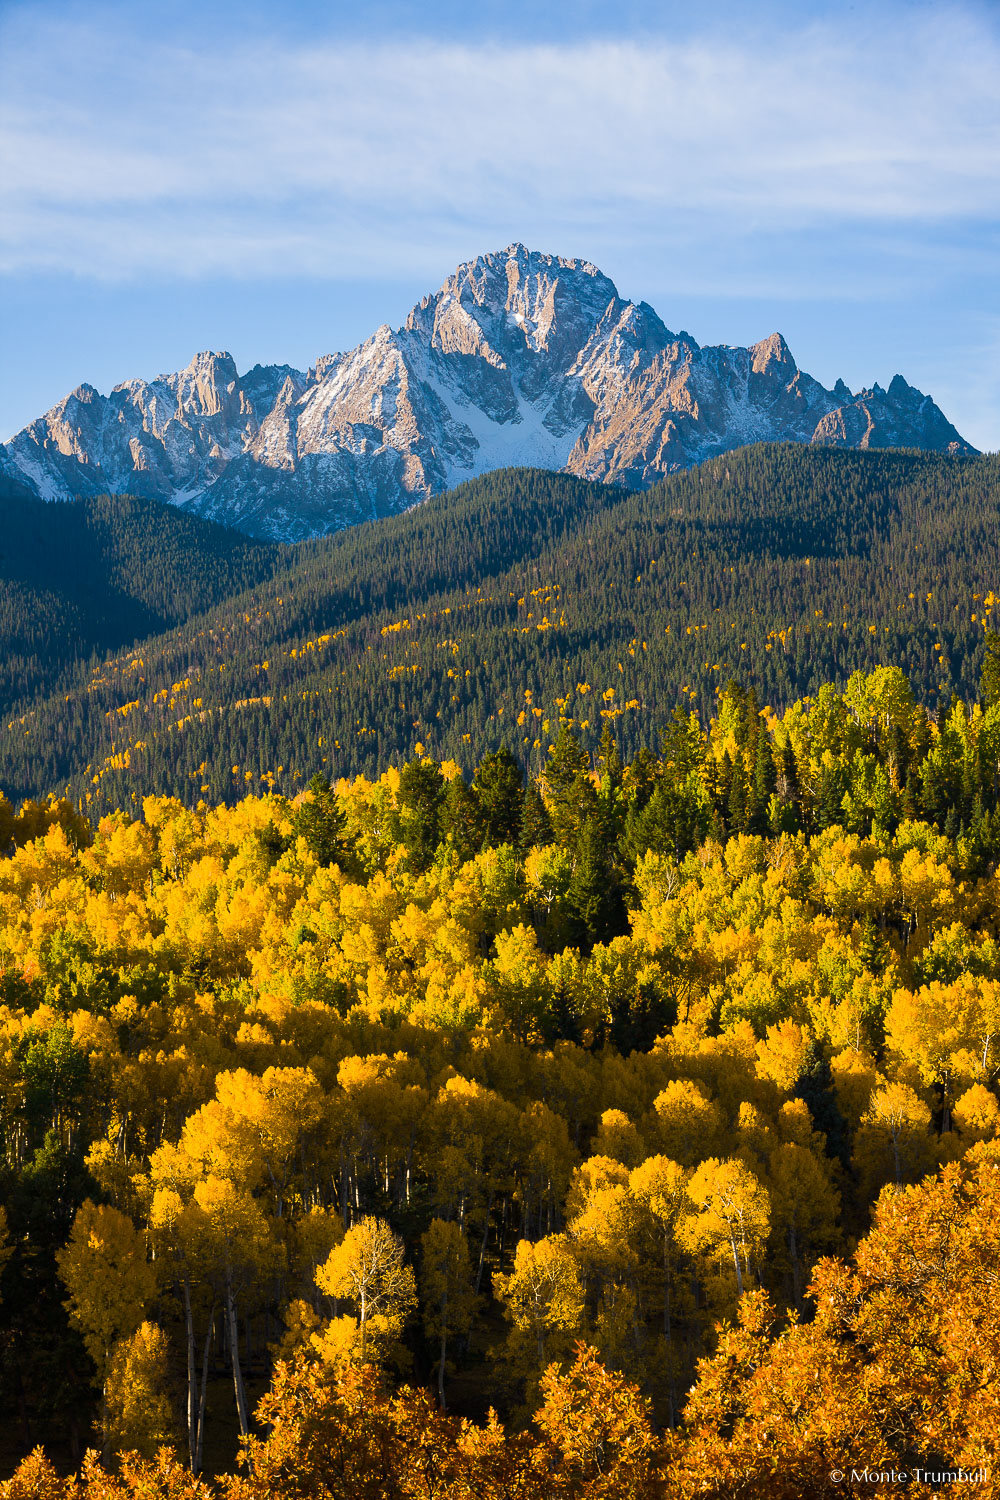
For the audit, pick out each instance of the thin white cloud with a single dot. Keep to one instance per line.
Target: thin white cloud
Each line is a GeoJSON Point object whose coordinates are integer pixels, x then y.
{"type": "Point", "coordinates": [123, 155]}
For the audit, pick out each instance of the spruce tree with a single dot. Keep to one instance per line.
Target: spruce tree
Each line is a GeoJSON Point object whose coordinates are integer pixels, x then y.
{"type": "Point", "coordinates": [320, 821]}
{"type": "Point", "coordinates": [498, 791]}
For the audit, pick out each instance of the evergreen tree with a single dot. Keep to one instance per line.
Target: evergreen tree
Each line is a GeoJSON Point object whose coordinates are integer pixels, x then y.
{"type": "Point", "coordinates": [736, 805]}
{"type": "Point", "coordinates": [595, 895]}
{"type": "Point", "coordinates": [570, 795]}
{"type": "Point", "coordinates": [319, 820]}
{"type": "Point", "coordinates": [536, 826]}
{"type": "Point", "coordinates": [461, 820]}
{"type": "Point", "coordinates": [421, 797]}
{"type": "Point", "coordinates": [815, 1088]}
{"type": "Point", "coordinates": [989, 677]}
{"type": "Point", "coordinates": [498, 790]}
{"type": "Point", "coordinates": [765, 781]}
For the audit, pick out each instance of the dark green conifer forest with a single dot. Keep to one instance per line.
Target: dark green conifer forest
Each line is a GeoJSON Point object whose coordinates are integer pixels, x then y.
{"type": "Point", "coordinates": [487, 616]}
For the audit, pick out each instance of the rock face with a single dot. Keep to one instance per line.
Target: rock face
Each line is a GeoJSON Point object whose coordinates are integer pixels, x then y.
{"type": "Point", "coordinates": [520, 358]}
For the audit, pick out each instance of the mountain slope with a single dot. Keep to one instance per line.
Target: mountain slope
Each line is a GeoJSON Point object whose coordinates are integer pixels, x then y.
{"type": "Point", "coordinates": [519, 358]}
{"type": "Point", "coordinates": [98, 574]}
{"type": "Point", "coordinates": [492, 610]}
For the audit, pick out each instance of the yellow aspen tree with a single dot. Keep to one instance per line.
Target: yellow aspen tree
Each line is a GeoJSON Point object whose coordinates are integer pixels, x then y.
{"type": "Point", "coordinates": [804, 1209]}
{"type": "Point", "coordinates": [368, 1269]}
{"type": "Point", "coordinates": [977, 1115]}
{"type": "Point", "coordinates": [477, 1129]}
{"type": "Point", "coordinates": [949, 1031]}
{"type": "Point", "coordinates": [602, 1443]}
{"type": "Point", "coordinates": [543, 1294]}
{"type": "Point", "coordinates": [687, 1125]}
{"type": "Point", "coordinates": [733, 1214]}
{"type": "Point", "coordinates": [893, 1142]}
{"type": "Point", "coordinates": [547, 1166]}
{"type": "Point", "coordinates": [659, 1188]}
{"type": "Point", "coordinates": [108, 1279]}
{"type": "Point", "coordinates": [140, 1414]}
{"type": "Point", "coordinates": [781, 1056]}
{"type": "Point", "coordinates": [182, 1239]}
{"type": "Point", "coordinates": [618, 1137]}
{"type": "Point", "coordinates": [602, 1233]}
{"type": "Point", "coordinates": [241, 1249]}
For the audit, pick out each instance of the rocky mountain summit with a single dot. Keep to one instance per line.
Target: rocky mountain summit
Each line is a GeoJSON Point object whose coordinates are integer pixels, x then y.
{"type": "Point", "coordinates": [519, 358]}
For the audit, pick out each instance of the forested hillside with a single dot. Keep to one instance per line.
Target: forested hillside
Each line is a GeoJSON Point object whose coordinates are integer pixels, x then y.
{"type": "Point", "coordinates": [83, 579]}
{"type": "Point", "coordinates": [523, 598]}
{"type": "Point", "coordinates": [425, 1094]}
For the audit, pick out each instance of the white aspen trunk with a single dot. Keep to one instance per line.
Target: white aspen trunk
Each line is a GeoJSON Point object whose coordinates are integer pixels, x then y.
{"type": "Point", "coordinates": [234, 1355]}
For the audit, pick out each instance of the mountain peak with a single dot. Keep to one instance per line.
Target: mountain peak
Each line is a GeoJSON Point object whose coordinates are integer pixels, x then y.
{"type": "Point", "coordinates": [519, 358]}
{"type": "Point", "coordinates": [496, 272]}
{"type": "Point", "coordinates": [901, 390]}
{"type": "Point", "coordinates": [772, 352]}
{"type": "Point", "coordinates": [214, 361]}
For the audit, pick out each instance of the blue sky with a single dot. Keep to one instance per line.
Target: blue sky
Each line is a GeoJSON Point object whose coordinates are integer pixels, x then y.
{"type": "Point", "coordinates": [279, 179]}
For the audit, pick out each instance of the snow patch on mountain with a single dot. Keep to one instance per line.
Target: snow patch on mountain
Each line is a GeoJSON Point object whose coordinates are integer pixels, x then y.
{"type": "Point", "coordinates": [519, 358]}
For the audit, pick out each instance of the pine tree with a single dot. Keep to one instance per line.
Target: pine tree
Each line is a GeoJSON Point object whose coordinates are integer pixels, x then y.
{"type": "Point", "coordinates": [594, 893]}
{"type": "Point", "coordinates": [421, 795]}
{"type": "Point", "coordinates": [765, 780]}
{"type": "Point", "coordinates": [461, 821]}
{"type": "Point", "coordinates": [498, 789]}
{"type": "Point", "coordinates": [536, 827]}
{"type": "Point", "coordinates": [570, 794]}
{"type": "Point", "coordinates": [320, 821]}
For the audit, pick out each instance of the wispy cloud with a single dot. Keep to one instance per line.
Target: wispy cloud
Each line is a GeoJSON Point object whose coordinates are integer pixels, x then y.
{"type": "Point", "coordinates": [124, 155]}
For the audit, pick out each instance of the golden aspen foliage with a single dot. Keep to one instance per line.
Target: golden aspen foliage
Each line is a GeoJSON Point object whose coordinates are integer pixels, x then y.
{"type": "Point", "coordinates": [976, 1115]}
{"type": "Point", "coordinates": [731, 1218]}
{"type": "Point", "coordinates": [565, 1129]}
{"type": "Point", "coordinates": [844, 1390]}
{"type": "Point", "coordinates": [108, 1278]}
{"type": "Point", "coordinates": [781, 1056]}
{"type": "Point", "coordinates": [805, 1209]}
{"type": "Point", "coordinates": [37, 1478]}
{"type": "Point", "coordinates": [600, 1431]}
{"type": "Point", "coordinates": [658, 1188]}
{"type": "Point", "coordinates": [598, 1174]}
{"type": "Point", "coordinates": [618, 1138]}
{"type": "Point", "coordinates": [950, 1032]}
{"type": "Point", "coordinates": [368, 1270]}
{"type": "Point", "coordinates": [140, 1414]}
{"type": "Point", "coordinates": [548, 1165]}
{"type": "Point", "coordinates": [687, 1125]}
{"type": "Point", "coordinates": [241, 1251]}
{"type": "Point", "coordinates": [542, 1297]}
{"type": "Point", "coordinates": [893, 1141]}
{"type": "Point", "coordinates": [855, 1077]}
{"type": "Point", "coordinates": [301, 1324]}
{"type": "Point", "coordinates": [313, 1236]}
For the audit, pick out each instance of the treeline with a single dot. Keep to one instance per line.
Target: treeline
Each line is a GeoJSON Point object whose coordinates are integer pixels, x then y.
{"type": "Point", "coordinates": [488, 614]}
{"type": "Point", "coordinates": [396, 1093]}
